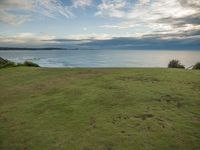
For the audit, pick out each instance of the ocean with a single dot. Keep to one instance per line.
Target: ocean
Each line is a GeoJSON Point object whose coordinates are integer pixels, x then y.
{"type": "Point", "coordinates": [102, 58]}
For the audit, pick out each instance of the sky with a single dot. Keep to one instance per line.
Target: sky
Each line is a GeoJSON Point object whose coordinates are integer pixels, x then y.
{"type": "Point", "coordinates": [134, 24]}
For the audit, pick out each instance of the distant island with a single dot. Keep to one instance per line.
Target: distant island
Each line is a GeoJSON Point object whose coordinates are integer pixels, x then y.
{"type": "Point", "coordinates": [43, 48]}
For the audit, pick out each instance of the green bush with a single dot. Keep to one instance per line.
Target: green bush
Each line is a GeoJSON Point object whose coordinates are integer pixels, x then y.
{"type": "Point", "coordinates": [196, 66]}
{"type": "Point", "coordinates": [30, 64]}
{"type": "Point", "coordinates": [20, 64]}
{"type": "Point", "coordinates": [6, 63]}
{"type": "Point", "coordinates": [175, 64]}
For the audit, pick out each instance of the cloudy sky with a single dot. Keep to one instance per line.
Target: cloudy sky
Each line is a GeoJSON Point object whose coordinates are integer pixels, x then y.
{"type": "Point", "coordinates": [130, 23]}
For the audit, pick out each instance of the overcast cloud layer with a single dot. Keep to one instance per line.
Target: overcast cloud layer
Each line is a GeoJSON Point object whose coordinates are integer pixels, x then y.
{"type": "Point", "coordinates": [88, 22]}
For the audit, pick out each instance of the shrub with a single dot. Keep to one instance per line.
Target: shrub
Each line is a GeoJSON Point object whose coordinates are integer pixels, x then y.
{"type": "Point", "coordinates": [196, 66]}
{"type": "Point", "coordinates": [175, 64]}
{"type": "Point", "coordinates": [6, 63]}
{"type": "Point", "coordinates": [10, 64]}
{"type": "Point", "coordinates": [20, 64]}
{"type": "Point", "coordinates": [30, 64]}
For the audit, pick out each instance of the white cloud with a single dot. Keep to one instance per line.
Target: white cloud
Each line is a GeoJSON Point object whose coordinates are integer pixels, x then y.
{"type": "Point", "coordinates": [146, 13]}
{"type": "Point", "coordinates": [12, 19]}
{"type": "Point", "coordinates": [144, 1]}
{"type": "Point", "coordinates": [51, 8]}
{"type": "Point", "coordinates": [24, 38]}
{"type": "Point", "coordinates": [28, 38]}
{"type": "Point", "coordinates": [151, 10]}
{"type": "Point", "coordinates": [81, 3]}
{"type": "Point", "coordinates": [16, 12]}
{"type": "Point", "coordinates": [22, 4]}
{"type": "Point", "coordinates": [91, 36]}
{"type": "Point", "coordinates": [111, 8]}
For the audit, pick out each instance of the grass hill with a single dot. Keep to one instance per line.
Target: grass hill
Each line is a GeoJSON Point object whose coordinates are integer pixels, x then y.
{"type": "Point", "coordinates": [101, 109]}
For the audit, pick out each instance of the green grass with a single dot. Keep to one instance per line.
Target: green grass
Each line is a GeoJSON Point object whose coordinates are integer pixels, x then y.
{"type": "Point", "coordinates": [99, 109]}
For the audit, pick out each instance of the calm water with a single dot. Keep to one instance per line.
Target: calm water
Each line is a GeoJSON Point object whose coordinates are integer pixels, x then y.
{"type": "Point", "coordinates": [103, 58]}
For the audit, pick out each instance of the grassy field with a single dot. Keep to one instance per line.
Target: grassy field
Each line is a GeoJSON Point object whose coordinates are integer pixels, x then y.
{"type": "Point", "coordinates": [99, 109]}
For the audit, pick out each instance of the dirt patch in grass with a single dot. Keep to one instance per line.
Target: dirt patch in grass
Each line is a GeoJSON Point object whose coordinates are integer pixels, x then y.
{"type": "Point", "coordinates": [196, 86]}
{"type": "Point", "coordinates": [119, 118]}
{"type": "Point", "coordinates": [144, 116]}
{"type": "Point", "coordinates": [139, 78]}
{"type": "Point", "coordinates": [92, 122]}
{"type": "Point", "coordinates": [171, 100]}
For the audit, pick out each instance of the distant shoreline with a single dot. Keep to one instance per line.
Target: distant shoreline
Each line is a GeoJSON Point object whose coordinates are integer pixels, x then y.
{"type": "Point", "coordinates": [44, 48]}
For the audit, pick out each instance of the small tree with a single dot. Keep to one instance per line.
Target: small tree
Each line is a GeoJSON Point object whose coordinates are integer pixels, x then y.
{"type": "Point", "coordinates": [196, 66]}
{"type": "Point", "coordinates": [175, 64]}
